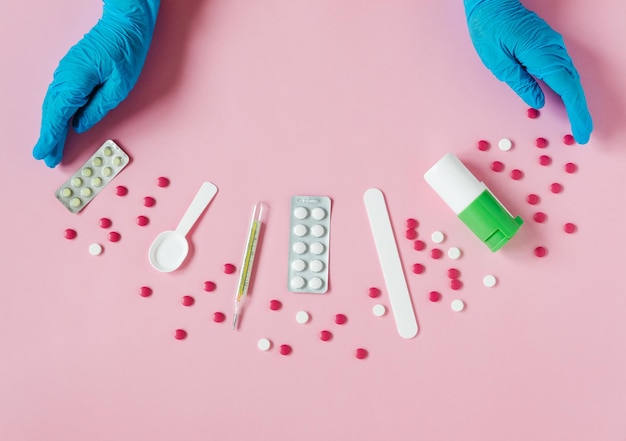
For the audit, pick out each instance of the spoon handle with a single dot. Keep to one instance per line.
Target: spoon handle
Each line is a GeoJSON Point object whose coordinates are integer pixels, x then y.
{"type": "Point", "coordinates": [200, 201]}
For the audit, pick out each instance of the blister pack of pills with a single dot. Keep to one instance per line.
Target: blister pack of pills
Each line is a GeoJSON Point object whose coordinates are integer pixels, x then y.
{"type": "Point", "coordinates": [92, 177]}
{"type": "Point", "coordinates": [309, 241]}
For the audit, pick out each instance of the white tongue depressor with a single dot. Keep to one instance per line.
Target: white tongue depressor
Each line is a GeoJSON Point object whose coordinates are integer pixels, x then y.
{"type": "Point", "coordinates": [389, 258]}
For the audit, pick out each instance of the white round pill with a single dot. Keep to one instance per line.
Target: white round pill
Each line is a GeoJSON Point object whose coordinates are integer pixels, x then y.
{"type": "Point", "coordinates": [300, 230]}
{"type": "Point", "coordinates": [490, 281]}
{"type": "Point", "coordinates": [300, 213]}
{"type": "Point", "coordinates": [454, 253]}
{"type": "Point", "coordinates": [302, 317]}
{"type": "Point", "coordinates": [299, 247]}
{"type": "Point", "coordinates": [505, 144]}
{"type": "Point", "coordinates": [318, 230]}
{"type": "Point", "coordinates": [317, 248]}
{"type": "Point", "coordinates": [298, 265]}
{"type": "Point", "coordinates": [316, 266]}
{"type": "Point", "coordinates": [318, 213]}
{"type": "Point", "coordinates": [264, 344]}
{"type": "Point", "coordinates": [379, 310]}
{"type": "Point", "coordinates": [95, 249]}
{"type": "Point", "coordinates": [437, 237]}
{"type": "Point", "coordinates": [457, 305]}
{"type": "Point", "coordinates": [316, 283]}
{"type": "Point", "coordinates": [298, 282]}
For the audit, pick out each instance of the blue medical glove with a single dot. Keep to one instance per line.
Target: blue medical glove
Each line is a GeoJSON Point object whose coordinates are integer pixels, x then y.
{"type": "Point", "coordinates": [517, 45]}
{"type": "Point", "coordinates": [96, 74]}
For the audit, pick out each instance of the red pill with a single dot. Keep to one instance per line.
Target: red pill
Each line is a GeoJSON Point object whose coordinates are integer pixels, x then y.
{"type": "Point", "coordinates": [436, 253]}
{"type": "Point", "coordinates": [454, 273]}
{"type": "Point", "coordinates": [418, 268]}
{"type": "Point", "coordinates": [541, 143]}
{"type": "Point", "coordinates": [411, 223]}
{"type": "Point", "coordinates": [209, 286]}
{"type": "Point", "coordinates": [70, 234]}
{"type": "Point", "coordinates": [545, 160]}
{"type": "Point", "coordinates": [419, 245]}
{"type": "Point", "coordinates": [145, 291]}
{"type": "Point", "coordinates": [539, 217]}
{"type": "Point", "coordinates": [569, 228]}
{"type": "Point", "coordinates": [326, 335]}
{"type": "Point", "coordinates": [483, 145]}
{"type": "Point", "coordinates": [149, 201]}
{"type": "Point", "coordinates": [497, 166]}
{"type": "Point", "coordinates": [568, 140]}
{"type": "Point", "coordinates": [162, 181]}
{"type": "Point", "coordinates": [340, 319]}
{"type": "Point", "coordinates": [187, 300]}
{"type": "Point", "coordinates": [532, 113]}
{"type": "Point", "coordinates": [114, 236]}
{"type": "Point", "coordinates": [570, 167]}
{"type": "Point", "coordinates": [540, 251]}
{"type": "Point", "coordinates": [360, 353]}
{"type": "Point", "coordinates": [142, 221]}
{"type": "Point", "coordinates": [517, 174]}
{"type": "Point", "coordinates": [275, 305]}
{"type": "Point", "coordinates": [285, 350]}
{"type": "Point", "coordinates": [434, 296]}
{"type": "Point", "coordinates": [120, 190]}
{"type": "Point", "coordinates": [556, 188]}
{"type": "Point", "coordinates": [219, 317]}
{"type": "Point", "coordinates": [456, 284]}
{"type": "Point", "coordinates": [180, 334]}
{"type": "Point", "coordinates": [105, 222]}
{"type": "Point", "coordinates": [229, 268]}
{"type": "Point", "coordinates": [532, 199]}
{"type": "Point", "coordinates": [374, 292]}
{"type": "Point", "coordinates": [410, 234]}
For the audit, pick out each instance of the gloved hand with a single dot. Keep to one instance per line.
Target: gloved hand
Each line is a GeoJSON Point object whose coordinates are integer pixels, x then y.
{"type": "Point", "coordinates": [96, 74]}
{"type": "Point", "coordinates": [516, 44]}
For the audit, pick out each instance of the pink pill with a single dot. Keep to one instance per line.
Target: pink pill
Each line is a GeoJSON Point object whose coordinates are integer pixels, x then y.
{"type": "Point", "coordinates": [454, 273]}
{"type": "Point", "coordinates": [434, 296]}
{"type": "Point", "coordinates": [411, 223]}
{"type": "Point", "coordinates": [187, 300]}
{"type": "Point", "coordinates": [340, 319]}
{"type": "Point", "coordinates": [545, 160]}
{"type": "Point", "coordinates": [570, 167]}
{"type": "Point", "coordinates": [70, 234]}
{"type": "Point", "coordinates": [142, 221]}
{"type": "Point", "coordinates": [326, 335]}
{"type": "Point", "coordinates": [114, 236]}
{"type": "Point", "coordinates": [229, 268]}
{"type": "Point", "coordinates": [517, 174]}
{"type": "Point", "coordinates": [145, 291]}
{"type": "Point", "coordinates": [568, 140]}
{"type": "Point", "coordinates": [532, 199]}
{"type": "Point", "coordinates": [219, 317]}
{"type": "Point", "coordinates": [556, 188]}
{"type": "Point", "coordinates": [418, 268]}
{"type": "Point", "coordinates": [285, 350]}
{"type": "Point", "coordinates": [360, 353]}
{"type": "Point", "coordinates": [410, 234]}
{"type": "Point", "coordinates": [149, 201]}
{"type": "Point", "coordinates": [105, 222]}
{"type": "Point", "coordinates": [275, 305]}
{"type": "Point", "coordinates": [180, 334]}
{"type": "Point", "coordinates": [419, 245]}
{"type": "Point", "coordinates": [540, 217]}
{"type": "Point", "coordinates": [456, 284]}
{"type": "Point", "coordinates": [209, 286]}
{"type": "Point", "coordinates": [540, 251]}
{"type": "Point", "coordinates": [497, 166]}
{"type": "Point", "coordinates": [541, 143]}
{"type": "Point", "coordinates": [162, 181]}
{"type": "Point", "coordinates": [569, 228]}
{"type": "Point", "coordinates": [532, 113]}
{"type": "Point", "coordinates": [374, 292]}
{"type": "Point", "coordinates": [120, 190]}
{"type": "Point", "coordinates": [436, 253]}
{"type": "Point", "coordinates": [483, 145]}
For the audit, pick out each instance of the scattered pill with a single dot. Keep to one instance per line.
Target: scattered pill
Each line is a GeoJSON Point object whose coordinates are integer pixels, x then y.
{"type": "Point", "coordinates": [70, 234]}
{"type": "Point", "coordinates": [418, 268]}
{"type": "Point", "coordinates": [532, 113]}
{"type": "Point", "coordinates": [162, 181]}
{"type": "Point", "coordinates": [285, 350]}
{"type": "Point", "coordinates": [145, 291]}
{"type": "Point", "coordinates": [374, 292]}
{"type": "Point", "coordinates": [505, 144]}
{"type": "Point", "coordinates": [180, 334]}
{"type": "Point", "coordinates": [436, 253]}
{"type": "Point", "coordinates": [302, 317]}
{"type": "Point", "coordinates": [360, 353]}
{"type": "Point", "coordinates": [410, 234]}
{"type": "Point", "coordinates": [379, 310]}
{"type": "Point", "coordinates": [229, 268]}
{"type": "Point", "coordinates": [489, 280]}
{"type": "Point", "coordinates": [540, 251]}
{"type": "Point", "coordinates": [419, 245]}
{"type": "Point", "coordinates": [532, 199]}
{"type": "Point", "coordinates": [497, 166]}
{"type": "Point", "coordinates": [437, 237]}
{"type": "Point", "coordinates": [95, 249]}
{"type": "Point", "coordinates": [541, 143]}
{"type": "Point", "coordinates": [105, 222]}
{"type": "Point", "coordinates": [264, 344]}
{"type": "Point", "coordinates": [539, 217]}
{"type": "Point", "coordinates": [149, 201]}
{"type": "Point", "coordinates": [545, 160]}
{"type": "Point", "coordinates": [569, 228]}
{"type": "Point", "coordinates": [457, 305]}
{"type": "Point", "coordinates": [142, 221]}
{"type": "Point", "coordinates": [482, 145]}
{"type": "Point", "coordinates": [517, 174]}
{"type": "Point", "coordinates": [456, 284]}
{"type": "Point", "coordinates": [187, 300]}
{"type": "Point", "coordinates": [219, 317]}
{"type": "Point", "coordinates": [114, 236]}
{"type": "Point", "coordinates": [568, 140]}
{"type": "Point", "coordinates": [454, 273]}
{"type": "Point", "coordinates": [411, 223]}
{"type": "Point", "coordinates": [454, 253]}
{"type": "Point", "coordinates": [275, 305]}
{"type": "Point", "coordinates": [556, 188]}
{"type": "Point", "coordinates": [570, 167]}
{"type": "Point", "coordinates": [326, 335]}
{"type": "Point", "coordinates": [120, 190]}
{"type": "Point", "coordinates": [209, 286]}
{"type": "Point", "coordinates": [434, 296]}
{"type": "Point", "coordinates": [340, 319]}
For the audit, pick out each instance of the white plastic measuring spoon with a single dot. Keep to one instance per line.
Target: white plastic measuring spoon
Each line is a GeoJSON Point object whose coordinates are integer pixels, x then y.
{"type": "Point", "coordinates": [170, 248]}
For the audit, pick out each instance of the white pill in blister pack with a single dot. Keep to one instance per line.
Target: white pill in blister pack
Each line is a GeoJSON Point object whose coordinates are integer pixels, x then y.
{"type": "Point", "coordinates": [92, 177]}
{"type": "Point", "coordinates": [309, 244]}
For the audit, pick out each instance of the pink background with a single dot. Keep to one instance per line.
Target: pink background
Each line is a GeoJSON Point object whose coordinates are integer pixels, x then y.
{"type": "Point", "coordinates": [270, 99]}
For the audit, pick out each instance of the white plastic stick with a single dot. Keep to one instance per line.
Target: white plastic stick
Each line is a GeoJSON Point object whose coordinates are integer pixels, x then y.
{"type": "Point", "coordinates": [398, 291]}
